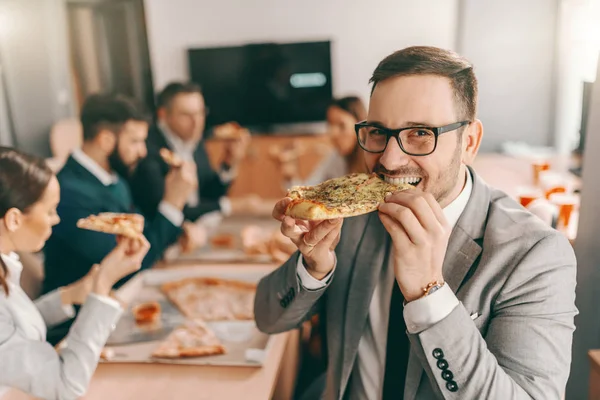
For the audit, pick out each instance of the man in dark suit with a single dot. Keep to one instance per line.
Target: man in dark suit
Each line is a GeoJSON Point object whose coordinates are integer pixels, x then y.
{"type": "Point", "coordinates": [181, 119]}
{"type": "Point", "coordinates": [114, 133]}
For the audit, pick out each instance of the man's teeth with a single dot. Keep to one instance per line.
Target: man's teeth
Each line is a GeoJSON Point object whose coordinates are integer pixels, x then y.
{"type": "Point", "coordinates": [412, 180]}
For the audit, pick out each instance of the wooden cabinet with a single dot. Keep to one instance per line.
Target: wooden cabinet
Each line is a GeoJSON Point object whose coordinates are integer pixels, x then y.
{"type": "Point", "coordinates": [260, 172]}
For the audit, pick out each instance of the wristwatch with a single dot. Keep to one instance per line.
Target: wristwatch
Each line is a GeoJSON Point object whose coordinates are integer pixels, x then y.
{"type": "Point", "coordinates": [433, 287]}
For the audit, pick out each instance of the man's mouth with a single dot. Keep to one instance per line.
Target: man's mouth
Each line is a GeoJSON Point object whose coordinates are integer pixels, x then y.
{"type": "Point", "coordinates": [410, 180]}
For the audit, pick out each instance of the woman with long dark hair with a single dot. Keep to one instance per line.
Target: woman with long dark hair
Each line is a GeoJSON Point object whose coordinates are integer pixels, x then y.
{"type": "Point", "coordinates": [29, 194]}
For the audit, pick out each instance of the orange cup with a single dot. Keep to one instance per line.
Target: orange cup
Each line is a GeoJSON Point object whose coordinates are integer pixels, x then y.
{"type": "Point", "coordinates": [554, 182]}
{"type": "Point", "coordinates": [527, 194]}
{"type": "Point", "coordinates": [539, 166]}
{"type": "Point", "coordinates": [566, 204]}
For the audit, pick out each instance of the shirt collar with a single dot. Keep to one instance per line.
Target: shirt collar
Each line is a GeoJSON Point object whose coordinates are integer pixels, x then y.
{"type": "Point", "coordinates": [93, 168]}
{"type": "Point", "coordinates": [454, 210]}
{"type": "Point", "coordinates": [181, 148]}
{"type": "Point", "coordinates": [13, 263]}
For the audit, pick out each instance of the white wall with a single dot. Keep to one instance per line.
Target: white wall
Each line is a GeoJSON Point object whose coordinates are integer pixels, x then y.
{"type": "Point", "coordinates": [5, 133]}
{"type": "Point", "coordinates": [362, 32]}
{"type": "Point", "coordinates": [34, 47]}
{"type": "Point", "coordinates": [512, 45]}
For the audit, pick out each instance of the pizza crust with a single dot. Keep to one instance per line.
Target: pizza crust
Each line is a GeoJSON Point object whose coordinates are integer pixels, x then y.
{"type": "Point", "coordinates": [129, 225]}
{"type": "Point", "coordinates": [343, 197]}
{"type": "Point", "coordinates": [170, 158]}
{"type": "Point", "coordinates": [193, 339]}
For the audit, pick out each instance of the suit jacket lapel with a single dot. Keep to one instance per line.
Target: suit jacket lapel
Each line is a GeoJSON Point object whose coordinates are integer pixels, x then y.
{"type": "Point", "coordinates": [364, 278]}
{"type": "Point", "coordinates": [461, 254]}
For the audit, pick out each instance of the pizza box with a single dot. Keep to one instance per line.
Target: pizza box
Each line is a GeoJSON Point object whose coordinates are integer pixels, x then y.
{"type": "Point", "coordinates": [130, 343]}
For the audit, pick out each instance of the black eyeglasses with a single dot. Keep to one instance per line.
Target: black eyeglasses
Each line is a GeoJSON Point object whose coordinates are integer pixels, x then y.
{"type": "Point", "coordinates": [413, 140]}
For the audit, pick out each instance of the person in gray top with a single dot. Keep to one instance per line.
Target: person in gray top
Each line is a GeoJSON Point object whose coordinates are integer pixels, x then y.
{"type": "Point", "coordinates": [452, 290]}
{"type": "Point", "coordinates": [29, 194]}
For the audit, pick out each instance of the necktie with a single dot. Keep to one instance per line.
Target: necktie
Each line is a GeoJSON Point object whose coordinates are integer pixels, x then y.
{"type": "Point", "coordinates": [397, 349]}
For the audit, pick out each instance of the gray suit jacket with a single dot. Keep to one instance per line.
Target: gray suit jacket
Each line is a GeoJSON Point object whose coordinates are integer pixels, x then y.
{"type": "Point", "coordinates": [505, 265]}
{"type": "Point", "coordinates": [30, 364]}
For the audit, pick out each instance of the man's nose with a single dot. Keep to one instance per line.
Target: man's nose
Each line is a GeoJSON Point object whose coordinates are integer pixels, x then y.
{"type": "Point", "coordinates": [393, 157]}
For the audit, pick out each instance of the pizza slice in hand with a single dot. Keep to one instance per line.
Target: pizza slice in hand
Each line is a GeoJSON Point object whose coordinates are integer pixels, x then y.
{"type": "Point", "coordinates": [128, 225]}
{"type": "Point", "coordinates": [342, 197]}
{"type": "Point", "coordinates": [172, 159]}
{"type": "Point", "coordinates": [193, 339]}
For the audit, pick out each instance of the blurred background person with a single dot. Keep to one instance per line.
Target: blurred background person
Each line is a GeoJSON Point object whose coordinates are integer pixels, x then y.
{"type": "Point", "coordinates": [181, 113]}
{"type": "Point", "coordinates": [346, 156]}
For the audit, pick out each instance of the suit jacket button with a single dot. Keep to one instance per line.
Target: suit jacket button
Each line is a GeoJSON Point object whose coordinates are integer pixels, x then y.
{"type": "Point", "coordinates": [442, 364]}
{"type": "Point", "coordinates": [438, 353]}
{"type": "Point", "coordinates": [447, 375]}
{"type": "Point", "coordinates": [452, 386]}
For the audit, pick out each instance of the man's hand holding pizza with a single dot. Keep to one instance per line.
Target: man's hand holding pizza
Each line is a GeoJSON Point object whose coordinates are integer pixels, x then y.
{"type": "Point", "coordinates": [180, 182]}
{"type": "Point", "coordinates": [316, 240]}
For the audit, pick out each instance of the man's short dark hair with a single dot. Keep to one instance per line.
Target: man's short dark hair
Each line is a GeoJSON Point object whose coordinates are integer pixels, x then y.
{"type": "Point", "coordinates": [173, 89]}
{"type": "Point", "coordinates": [107, 111]}
{"type": "Point", "coordinates": [423, 60]}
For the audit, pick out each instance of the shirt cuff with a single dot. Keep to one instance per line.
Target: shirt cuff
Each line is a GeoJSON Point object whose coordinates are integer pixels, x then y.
{"type": "Point", "coordinates": [106, 300]}
{"type": "Point", "coordinates": [170, 212]}
{"type": "Point", "coordinates": [427, 311]}
{"type": "Point", "coordinates": [227, 175]}
{"type": "Point", "coordinates": [308, 281]}
{"type": "Point", "coordinates": [69, 310]}
{"type": "Point", "coordinates": [225, 206]}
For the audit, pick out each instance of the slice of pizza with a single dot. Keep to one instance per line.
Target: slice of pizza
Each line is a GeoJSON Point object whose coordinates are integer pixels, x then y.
{"type": "Point", "coordinates": [193, 339]}
{"type": "Point", "coordinates": [342, 197]}
{"type": "Point", "coordinates": [230, 131]}
{"type": "Point", "coordinates": [129, 225]}
{"type": "Point", "coordinates": [172, 159]}
{"type": "Point", "coordinates": [212, 299]}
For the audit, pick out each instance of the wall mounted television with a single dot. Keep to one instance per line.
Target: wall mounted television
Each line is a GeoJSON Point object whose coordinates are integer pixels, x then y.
{"type": "Point", "coordinates": [266, 84]}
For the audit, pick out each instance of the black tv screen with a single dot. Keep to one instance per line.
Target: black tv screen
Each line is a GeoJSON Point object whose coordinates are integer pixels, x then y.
{"type": "Point", "coordinates": [259, 85]}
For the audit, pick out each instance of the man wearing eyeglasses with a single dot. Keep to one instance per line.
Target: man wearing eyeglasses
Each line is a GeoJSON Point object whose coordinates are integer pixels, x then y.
{"type": "Point", "coordinates": [452, 290]}
{"type": "Point", "coordinates": [180, 127]}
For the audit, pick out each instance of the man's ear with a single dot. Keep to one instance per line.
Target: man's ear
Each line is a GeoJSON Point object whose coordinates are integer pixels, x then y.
{"type": "Point", "coordinates": [106, 140]}
{"type": "Point", "coordinates": [471, 141]}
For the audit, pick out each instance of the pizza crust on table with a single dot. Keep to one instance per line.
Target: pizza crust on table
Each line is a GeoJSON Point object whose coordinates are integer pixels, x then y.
{"type": "Point", "coordinates": [192, 339]}
{"type": "Point", "coordinates": [129, 225]}
{"type": "Point", "coordinates": [342, 197]}
{"type": "Point", "coordinates": [212, 299]}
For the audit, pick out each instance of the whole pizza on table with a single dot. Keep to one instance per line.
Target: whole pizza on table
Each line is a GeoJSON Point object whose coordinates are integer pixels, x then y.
{"type": "Point", "coordinates": [129, 225]}
{"type": "Point", "coordinates": [342, 197]}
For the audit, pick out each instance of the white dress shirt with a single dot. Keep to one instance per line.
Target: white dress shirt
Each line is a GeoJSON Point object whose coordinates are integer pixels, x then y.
{"type": "Point", "coordinates": [185, 150]}
{"type": "Point", "coordinates": [15, 268]}
{"type": "Point", "coordinates": [169, 211]}
{"type": "Point", "coordinates": [420, 314]}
